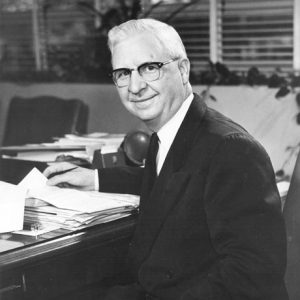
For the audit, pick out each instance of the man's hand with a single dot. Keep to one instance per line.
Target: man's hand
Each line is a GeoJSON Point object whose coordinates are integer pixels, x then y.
{"type": "Point", "coordinates": [78, 177]}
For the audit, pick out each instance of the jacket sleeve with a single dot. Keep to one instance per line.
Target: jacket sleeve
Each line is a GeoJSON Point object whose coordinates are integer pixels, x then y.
{"type": "Point", "coordinates": [125, 180]}
{"type": "Point", "coordinates": [246, 227]}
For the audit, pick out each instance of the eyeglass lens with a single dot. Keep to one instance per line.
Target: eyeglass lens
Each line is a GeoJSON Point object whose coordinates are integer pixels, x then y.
{"type": "Point", "coordinates": [148, 71]}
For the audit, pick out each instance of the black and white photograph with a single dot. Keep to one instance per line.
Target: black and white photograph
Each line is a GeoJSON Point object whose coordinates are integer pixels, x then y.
{"type": "Point", "coordinates": [149, 150]}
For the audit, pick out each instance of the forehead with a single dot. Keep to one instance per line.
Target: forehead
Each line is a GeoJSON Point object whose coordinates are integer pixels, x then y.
{"type": "Point", "coordinates": [136, 50]}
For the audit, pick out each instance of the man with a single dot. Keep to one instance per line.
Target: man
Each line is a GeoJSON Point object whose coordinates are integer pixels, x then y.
{"type": "Point", "coordinates": [210, 225]}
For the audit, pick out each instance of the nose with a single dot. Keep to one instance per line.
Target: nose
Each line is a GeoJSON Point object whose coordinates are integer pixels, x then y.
{"type": "Point", "coordinates": [137, 83]}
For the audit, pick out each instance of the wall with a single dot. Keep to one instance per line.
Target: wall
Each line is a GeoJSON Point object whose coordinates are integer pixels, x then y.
{"type": "Point", "coordinates": [269, 120]}
{"type": "Point", "coordinates": [272, 122]}
{"type": "Point", "coordinates": [106, 113]}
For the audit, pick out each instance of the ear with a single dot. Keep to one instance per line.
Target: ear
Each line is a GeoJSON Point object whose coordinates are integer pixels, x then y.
{"type": "Point", "coordinates": [184, 68]}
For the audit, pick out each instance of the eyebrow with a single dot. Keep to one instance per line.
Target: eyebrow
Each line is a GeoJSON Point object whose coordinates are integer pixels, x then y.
{"type": "Point", "coordinates": [147, 62]}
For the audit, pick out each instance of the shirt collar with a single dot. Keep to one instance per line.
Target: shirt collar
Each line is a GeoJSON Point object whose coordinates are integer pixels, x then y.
{"type": "Point", "coordinates": [168, 132]}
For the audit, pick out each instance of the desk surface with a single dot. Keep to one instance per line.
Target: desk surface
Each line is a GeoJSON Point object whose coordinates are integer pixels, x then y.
{"type": "Point", "coordinates": [61, 240]}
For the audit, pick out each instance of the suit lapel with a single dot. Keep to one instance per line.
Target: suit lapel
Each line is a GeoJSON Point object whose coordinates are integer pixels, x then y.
{"type": "Point", "coordinates": [155, 206]}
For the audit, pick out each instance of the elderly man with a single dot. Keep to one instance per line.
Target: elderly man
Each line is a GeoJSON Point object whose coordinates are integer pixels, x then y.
{"type": "Point", "coordinates": [210, 225]}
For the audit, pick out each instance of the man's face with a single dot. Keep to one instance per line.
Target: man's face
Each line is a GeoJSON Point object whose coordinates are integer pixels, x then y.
{"type": "Point", "coordinates": [153, 102]}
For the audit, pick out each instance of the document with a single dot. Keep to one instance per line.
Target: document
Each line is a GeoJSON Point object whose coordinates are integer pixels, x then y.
{"type": "Point", "coordinates": [53, 207]}
{"type": "Point", "coordinates": [45, 156]}
{"type": "Point", "coordinates": [87, 202]}
{"type": "Point", "coordinates": [41, 152]}
{"type": "Point", "coordinates": [12, 202]}
{"type": "Point", "coordinates": [72, 199]}
{"type": "Point", "coordinates": [33, 180]}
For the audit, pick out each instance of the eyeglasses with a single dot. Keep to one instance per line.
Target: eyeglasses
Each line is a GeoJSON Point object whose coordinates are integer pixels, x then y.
{"type": "Point", "coordinates": [149, 71]}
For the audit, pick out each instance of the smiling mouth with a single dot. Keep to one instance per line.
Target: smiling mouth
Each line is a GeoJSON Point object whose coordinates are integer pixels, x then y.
{"type": "Point", "coordinates": [141, 100]}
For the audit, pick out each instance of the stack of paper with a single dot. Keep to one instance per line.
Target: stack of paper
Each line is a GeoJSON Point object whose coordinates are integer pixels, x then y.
{"type": "Point", "coordinates": [43, 153]}
{"type": "Point", "coordinates": [108, 143]}
{"type": "Point", "coordinates": [78, 146]}
{"type": "Point", "coordinates": [99, 140]}
{"type": "Point", "coordinates": [91, 208]}
{"type": "Point", "coordinates": [53, 207]}
{"type": "Point", "coordinates": [92, 138]}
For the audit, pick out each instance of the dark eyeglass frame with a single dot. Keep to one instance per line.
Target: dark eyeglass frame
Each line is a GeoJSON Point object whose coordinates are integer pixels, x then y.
{"type": "Point", "coordinates": [159, 65]}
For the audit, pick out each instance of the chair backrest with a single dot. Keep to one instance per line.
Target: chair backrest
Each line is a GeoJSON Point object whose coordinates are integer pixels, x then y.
{"type": "Point", "coordinates": [291, 213]}
{"type": "Point", "coordinates": [38, 119]}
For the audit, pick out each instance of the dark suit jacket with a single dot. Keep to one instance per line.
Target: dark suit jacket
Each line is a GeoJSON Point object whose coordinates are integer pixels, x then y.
{"type": "Point", "coordinates": [212, 227]}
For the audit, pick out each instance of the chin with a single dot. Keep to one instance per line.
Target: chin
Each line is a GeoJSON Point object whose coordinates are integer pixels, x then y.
{"type": "Point", "coordinates": [143, 113]}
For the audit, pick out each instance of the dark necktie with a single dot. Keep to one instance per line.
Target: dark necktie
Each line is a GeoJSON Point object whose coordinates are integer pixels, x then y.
{"type": "Point", "coordinates": [151, 159]}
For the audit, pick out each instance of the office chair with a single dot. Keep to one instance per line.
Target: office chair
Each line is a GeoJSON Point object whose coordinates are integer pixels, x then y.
{"type": "Point", "coordinates": [291, 213]}
{"type": "Point", "coordinates": [39, 119]}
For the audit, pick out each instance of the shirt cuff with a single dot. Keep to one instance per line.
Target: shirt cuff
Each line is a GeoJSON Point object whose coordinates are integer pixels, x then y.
{"type": "Point", "coordinates": [96, 180]}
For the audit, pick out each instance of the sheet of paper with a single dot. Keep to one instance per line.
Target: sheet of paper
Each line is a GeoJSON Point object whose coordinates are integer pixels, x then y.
{"type": "Point", "coordinates": [12, 202]}
{"type": "Point", "coordinates": [33, 180]}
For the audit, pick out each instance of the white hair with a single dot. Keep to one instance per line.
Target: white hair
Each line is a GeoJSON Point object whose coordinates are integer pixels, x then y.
{"type": "Point", "coordinates": [166, 35]}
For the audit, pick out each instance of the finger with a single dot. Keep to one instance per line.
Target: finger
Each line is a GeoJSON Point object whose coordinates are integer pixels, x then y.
{"type": "Point", "coordinates": [65, 178]}
{"type": "Point", "coordinates": [52, 169]}
{"type": "Point", "coordinates": [58, 167]}
{"type": "Point", "coordinates": [48, 171]}
{"type": "Point", "coordinates": [64, 185]}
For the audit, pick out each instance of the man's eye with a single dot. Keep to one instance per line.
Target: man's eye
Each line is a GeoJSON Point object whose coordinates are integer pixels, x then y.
{"type": "Point", "coordinates": [150, 67]}
{"type": "Point", "coordinates": [122, 73]}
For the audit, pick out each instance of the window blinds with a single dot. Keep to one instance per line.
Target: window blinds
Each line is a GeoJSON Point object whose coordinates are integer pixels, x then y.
{"type": "Point", "coordinates": [46, 36]}
{"type": "Point", "coordinates": [16, 41]}
{"type": "Point", "coordinates": [256, 33]}
{"type": "Point", "coordinates": [191, 20]}
{"type": "Point", "coordinates": [60, 36]}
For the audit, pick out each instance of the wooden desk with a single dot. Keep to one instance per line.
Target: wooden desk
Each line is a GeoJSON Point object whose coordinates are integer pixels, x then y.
{"type": "Point", "coordinates": [63, 264]}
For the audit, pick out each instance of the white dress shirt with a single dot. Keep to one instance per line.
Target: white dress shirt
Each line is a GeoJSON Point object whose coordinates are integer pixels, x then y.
{"type": "Point", "coordinates": [167, 133]}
